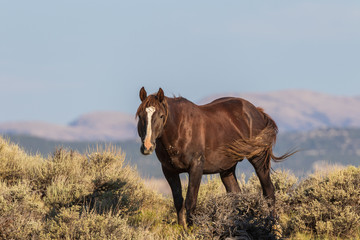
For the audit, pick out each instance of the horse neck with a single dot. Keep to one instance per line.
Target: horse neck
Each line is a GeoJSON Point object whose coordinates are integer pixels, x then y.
{"type": "Point", "coordinates": [176, 108]}
{"type": "Point", "coordinates": [171, 114]}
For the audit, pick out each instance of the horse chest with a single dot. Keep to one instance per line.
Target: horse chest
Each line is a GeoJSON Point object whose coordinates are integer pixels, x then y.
{"type": "Point", "coordinates": [174, 159]}
{"type": "Point", "coordinates": [172, 151]}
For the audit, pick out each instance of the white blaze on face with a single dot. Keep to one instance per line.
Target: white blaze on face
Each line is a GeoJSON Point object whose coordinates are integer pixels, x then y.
{"type": "Point", "coordinates": [147, 143]}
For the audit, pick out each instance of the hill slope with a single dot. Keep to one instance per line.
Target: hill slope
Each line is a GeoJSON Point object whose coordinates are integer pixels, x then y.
{"type": "Point", "coordinates": [105, 126]}
{"type": "Point", "coordinates": [293, 110]}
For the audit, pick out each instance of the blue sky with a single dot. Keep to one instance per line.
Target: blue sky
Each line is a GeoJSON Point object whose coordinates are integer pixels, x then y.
{"type": "Point", "coordinates": [61, 59]}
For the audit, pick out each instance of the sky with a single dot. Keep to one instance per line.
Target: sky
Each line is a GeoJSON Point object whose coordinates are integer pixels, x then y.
{"type": "Point", "coordinates": [61, 59]}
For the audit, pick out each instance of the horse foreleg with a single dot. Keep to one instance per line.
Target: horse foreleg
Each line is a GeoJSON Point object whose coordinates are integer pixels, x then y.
{"type": "Point", "coordinates": [229, 180]}
{"type": "Point", "coordinates": [175, 184]}
{"type": "Point", "coordinates": [195, 175]}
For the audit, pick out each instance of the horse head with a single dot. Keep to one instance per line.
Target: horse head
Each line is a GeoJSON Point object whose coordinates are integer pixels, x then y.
{"type": "Point", "coordinates": [152, 116]}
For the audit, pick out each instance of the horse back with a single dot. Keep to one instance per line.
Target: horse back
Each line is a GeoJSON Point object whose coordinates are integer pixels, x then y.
{"type": "Point", "coordinates": [243, 115]}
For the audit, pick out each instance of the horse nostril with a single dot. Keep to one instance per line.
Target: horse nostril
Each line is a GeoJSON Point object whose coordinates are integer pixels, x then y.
{"type": "Point", "coordinates": [147, 145]}
{"type": "Point", "coordinates": [146, 151]}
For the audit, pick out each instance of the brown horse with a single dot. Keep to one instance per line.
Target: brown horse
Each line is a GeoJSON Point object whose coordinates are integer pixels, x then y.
{"type": "Point", "coordinates": [206, 139]}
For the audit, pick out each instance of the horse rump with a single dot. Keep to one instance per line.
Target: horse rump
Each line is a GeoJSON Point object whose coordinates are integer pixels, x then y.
{"type": "Point", "coordinates": [258, 149]}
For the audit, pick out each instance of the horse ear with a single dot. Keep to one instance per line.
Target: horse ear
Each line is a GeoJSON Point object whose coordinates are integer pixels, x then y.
{"type": "Point", "coordinates": [160, 95]}
{"type": "Point", "coordinates": [142, 94]}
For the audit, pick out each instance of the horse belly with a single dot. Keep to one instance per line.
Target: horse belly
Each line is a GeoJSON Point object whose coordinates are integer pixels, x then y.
{"type": "Point", "coordinates": [216, 139]}
{"type": "Point", "coordinates": [217, 161]}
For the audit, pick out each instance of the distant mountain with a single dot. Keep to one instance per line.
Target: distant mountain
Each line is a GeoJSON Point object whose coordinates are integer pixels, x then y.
{"type": "Point", "coordinates": [104, 126]}
{"type": "Point", "coordinates": [318, 150]}
{"type": "Point", "coordinates": [293, 110]}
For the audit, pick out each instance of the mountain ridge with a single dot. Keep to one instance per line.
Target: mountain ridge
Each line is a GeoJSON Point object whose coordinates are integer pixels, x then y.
{"type": "Point", "coordinates": [318, 149]}
{"type": "Point", "coordinates": [299, 110]}
{"type": "Point", "coordinates": [99, 125]}
{"type": "Point", "coordinates": [292, 110]}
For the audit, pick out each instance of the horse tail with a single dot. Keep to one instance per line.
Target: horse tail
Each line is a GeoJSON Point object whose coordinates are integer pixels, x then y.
{"type": "Point", "coordinates": [282, 157]}
{"type": "Point", "coordinates": [268, 136]}
{"type": "Point", "coordinates": [258, 149]}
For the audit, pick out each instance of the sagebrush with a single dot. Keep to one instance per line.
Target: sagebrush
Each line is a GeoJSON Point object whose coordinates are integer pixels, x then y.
{"type": "Point", "coordinates": [68, 195]}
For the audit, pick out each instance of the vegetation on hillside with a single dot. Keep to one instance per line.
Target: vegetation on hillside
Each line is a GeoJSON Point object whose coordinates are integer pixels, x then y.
{"type": "Point", "coordinates": [95, 195]}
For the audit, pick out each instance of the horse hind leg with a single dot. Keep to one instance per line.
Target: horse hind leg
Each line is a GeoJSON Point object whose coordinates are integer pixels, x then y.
{"type": "Point", "coordinates": [229, 180]}
{"type": "Point", "coordinates": [261, 164]}
{"type": "Point", "coordinates": [262, 169]}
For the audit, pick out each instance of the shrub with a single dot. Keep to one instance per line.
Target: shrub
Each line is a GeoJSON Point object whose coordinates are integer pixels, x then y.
{"type": "Point", "coordinates": [73, 223]}
{"type": "Point", "coordinates": [15, 164]}
{"type": "Point", "coordinates": [92, 194]}
{"type": "Point", "coordinates": [220, 215]}
{"type": "Point", "coordinates": [22, 212]}
{"type": "Point", "coordinates": [96, 196]}
{"type": "Point", "coordinates": [328, 205]}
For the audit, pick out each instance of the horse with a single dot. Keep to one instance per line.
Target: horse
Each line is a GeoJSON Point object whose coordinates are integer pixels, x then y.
{"type": "Point", "coordinates": [206, 139]}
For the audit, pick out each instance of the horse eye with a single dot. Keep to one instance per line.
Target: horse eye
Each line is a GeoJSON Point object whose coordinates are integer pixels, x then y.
{"type": "Point", "coordinates": [161, 116]}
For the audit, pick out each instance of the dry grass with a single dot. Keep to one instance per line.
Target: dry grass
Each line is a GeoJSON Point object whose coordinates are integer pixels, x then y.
{"type": "Point", "coordinates": [96, 196]}
{"type": "Point", "coordinates": [73, 196]}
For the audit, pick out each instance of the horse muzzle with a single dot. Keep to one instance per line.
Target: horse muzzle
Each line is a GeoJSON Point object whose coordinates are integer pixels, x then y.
{"type": "Point", "coordinates": [147, 150]}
